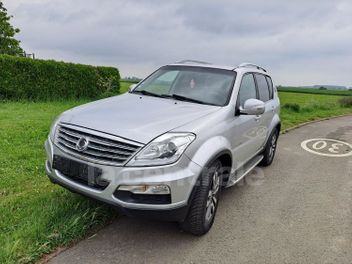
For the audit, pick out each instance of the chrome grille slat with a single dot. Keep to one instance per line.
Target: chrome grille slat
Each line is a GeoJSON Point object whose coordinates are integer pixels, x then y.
{"type": "Point", "coordinates": [67, 145]}
{"type": "Point", "coordinates": [110, 150]}
{"type": "Point", "coordinates": [67, 139]}
{"type": "Point", "coordinates": [113, 157]}
{"type": "Point", "coordinates": [69, 133]}
{"type": "Point", "coordinates": [100, 149]}
{"type": "Point", "coordinates": [98, 141]}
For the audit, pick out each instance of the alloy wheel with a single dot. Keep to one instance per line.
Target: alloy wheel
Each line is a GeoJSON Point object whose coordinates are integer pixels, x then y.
{"type": "Point", "coordinates": [273, 144]}
{"type": "Point", "coordinates": [213, 195]}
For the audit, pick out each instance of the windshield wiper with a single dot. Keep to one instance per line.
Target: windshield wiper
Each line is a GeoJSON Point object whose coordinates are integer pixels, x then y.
{"type": "Point", "coordinates": [174, 96]}
{"type": "Point", "coordinates": [145, 92]}
{"type": "Point", "coordinates": [184, 98]}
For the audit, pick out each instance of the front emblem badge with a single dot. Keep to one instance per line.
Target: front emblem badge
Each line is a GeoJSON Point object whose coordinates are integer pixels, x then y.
{"type": "Point", "coordinates": [82, 144]}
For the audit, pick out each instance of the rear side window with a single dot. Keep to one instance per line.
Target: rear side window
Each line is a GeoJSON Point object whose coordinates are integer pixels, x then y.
{"type": "Point", "coordinates": [271, 88]}
{"type": "Point", "coordinates": [263, 88]}
{"type": "Point", "coordinates": [247, 89]}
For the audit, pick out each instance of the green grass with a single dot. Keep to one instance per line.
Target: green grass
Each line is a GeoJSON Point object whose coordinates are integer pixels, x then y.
{"type": "Point", "coordinates": [312, 107]}
{"type": "Point", "coordinates": [315, 91]}
{"type": "Point", "coordinates": [37, 216]}
{"type": "Point", "coordinates": [124, 85]}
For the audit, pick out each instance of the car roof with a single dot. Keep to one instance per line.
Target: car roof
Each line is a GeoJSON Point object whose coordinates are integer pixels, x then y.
{"type": "Point", "coordinates": [243, 67]}
{"type": "Point", "coordinates": [204, 65]}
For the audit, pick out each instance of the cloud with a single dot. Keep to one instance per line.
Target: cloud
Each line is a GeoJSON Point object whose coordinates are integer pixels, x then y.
{"type": "Point", "coordinates": [300, 42]}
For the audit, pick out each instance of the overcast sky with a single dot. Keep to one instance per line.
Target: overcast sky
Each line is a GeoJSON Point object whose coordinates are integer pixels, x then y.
{"type": "Point", "coordinates": [301, 42]}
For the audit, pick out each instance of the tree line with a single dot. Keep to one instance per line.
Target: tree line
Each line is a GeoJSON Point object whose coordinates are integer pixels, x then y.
{"type": "Point", "coordinates": [8, 43]}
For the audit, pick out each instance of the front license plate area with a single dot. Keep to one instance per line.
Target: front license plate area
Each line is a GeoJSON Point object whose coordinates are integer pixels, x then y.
{"type": "Point", "coordinates": [80, 172]}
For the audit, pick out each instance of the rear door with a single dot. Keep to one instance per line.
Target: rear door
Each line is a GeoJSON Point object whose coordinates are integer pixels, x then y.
{"type": "Point", "coordinates": [265, 93]}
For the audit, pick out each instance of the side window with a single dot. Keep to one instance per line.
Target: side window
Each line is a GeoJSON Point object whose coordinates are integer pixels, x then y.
{"type": "Point", "coordinates": [263, 88]}
{"type": "Point", "coordinates": [271, 89]}
{"type": "Point", "coordinates": [247, 89]}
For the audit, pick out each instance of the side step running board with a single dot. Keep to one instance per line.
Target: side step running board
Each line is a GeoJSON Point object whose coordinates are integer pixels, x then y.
{"type": "Point", "coordinates": [244, 170]}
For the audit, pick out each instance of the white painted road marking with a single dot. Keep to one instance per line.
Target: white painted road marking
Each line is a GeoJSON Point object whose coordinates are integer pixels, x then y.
{"type": "Point", "coordinates": [327, 147]}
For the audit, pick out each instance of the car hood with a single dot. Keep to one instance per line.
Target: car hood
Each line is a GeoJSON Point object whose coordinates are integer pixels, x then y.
{"type": "Point", "coordinates": [136, 117]}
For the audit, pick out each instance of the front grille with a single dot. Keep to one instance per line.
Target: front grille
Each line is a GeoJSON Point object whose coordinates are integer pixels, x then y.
{"type": "Point", "coordinates": [101, 148]}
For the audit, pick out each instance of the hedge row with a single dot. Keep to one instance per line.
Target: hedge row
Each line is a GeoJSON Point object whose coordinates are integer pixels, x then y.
{"type": "Point", "coordinates": [24, 78]}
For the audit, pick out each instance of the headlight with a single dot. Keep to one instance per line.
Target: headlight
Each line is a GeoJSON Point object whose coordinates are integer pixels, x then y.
{"type": "Point", "coordinates": [53, 128]}
{"type": "Point", "coordinates": [163, 150]}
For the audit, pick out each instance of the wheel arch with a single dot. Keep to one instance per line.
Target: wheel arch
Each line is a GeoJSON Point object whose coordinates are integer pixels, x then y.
{"type": "Point", "coordinates": [225, 158]}
{"type": "Point", "coordinates": [210, 150]}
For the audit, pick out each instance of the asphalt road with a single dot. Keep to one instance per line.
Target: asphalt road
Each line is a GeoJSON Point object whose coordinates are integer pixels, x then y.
{"type": "Point", "coordinates": [299, 210]}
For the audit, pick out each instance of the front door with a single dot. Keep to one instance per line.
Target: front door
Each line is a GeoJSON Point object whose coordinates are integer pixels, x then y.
{"type": "Point", "coordinates": [246, 128]}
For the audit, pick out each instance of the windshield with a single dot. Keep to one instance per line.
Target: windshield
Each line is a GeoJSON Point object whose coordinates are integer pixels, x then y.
{"type": "Point", "coordinates": [193, 84]}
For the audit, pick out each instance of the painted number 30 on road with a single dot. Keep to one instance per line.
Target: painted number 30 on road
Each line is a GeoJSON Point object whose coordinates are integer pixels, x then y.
{"type": "Point", "coordinates": [327, 147]}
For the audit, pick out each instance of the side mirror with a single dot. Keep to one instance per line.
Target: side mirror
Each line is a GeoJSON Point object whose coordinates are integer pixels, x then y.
{"type": "Point", "coordinates": [253, 107]}
{"type": "Point", "coordinates": [130, 89]}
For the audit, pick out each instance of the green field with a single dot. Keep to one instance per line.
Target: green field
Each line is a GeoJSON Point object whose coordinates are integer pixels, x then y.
{"type": "Point", "coordinates": [315, 91]}
{"type": "Point", "coordinates": [312, 107]}
{"type": "Point", "coordinates": [37, 216]}
{"type": "Point", "coordinates": [124, 86]}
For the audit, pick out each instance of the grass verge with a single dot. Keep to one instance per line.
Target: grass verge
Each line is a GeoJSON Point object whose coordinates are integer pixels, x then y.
{"type": "Point", "coordinates": [37, 216]}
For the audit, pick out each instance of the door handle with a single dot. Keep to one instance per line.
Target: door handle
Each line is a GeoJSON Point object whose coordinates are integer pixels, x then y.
{"type": "Point", "coordinates": [257, 118]}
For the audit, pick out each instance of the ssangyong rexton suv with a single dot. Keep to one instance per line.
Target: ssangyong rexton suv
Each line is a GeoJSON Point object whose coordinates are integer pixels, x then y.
{"type": "Point", "coordinates": [167, 147]}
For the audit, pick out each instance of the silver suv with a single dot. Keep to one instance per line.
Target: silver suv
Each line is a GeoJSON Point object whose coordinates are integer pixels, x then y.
{"type": "Point", "coordinates": [167, 147]}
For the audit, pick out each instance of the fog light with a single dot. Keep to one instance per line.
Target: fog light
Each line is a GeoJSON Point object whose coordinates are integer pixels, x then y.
{"type": "Point", "coordinates": [146, 189]}
{"type": "Point", "coordinates": [160, 189]}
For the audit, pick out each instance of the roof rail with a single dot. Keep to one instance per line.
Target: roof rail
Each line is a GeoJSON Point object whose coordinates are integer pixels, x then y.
{"type": "Point", "coordinates": [247, 64]}
{"type": "Point", "coordinates": [192, 62]}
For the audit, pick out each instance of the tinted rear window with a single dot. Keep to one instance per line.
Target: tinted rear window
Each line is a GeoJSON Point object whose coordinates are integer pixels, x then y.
{"type": "Point", "coordinates": [271, 88]}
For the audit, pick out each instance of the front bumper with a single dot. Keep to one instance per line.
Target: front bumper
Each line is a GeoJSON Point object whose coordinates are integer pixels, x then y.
{"type": "Point", "coordinates": [181, 177]}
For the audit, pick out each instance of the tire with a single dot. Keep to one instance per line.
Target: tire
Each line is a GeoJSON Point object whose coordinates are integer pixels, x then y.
{"type": "Point", "coordinates": [270, 148]}
{"type": "Point", "coordinates": [204, 203]}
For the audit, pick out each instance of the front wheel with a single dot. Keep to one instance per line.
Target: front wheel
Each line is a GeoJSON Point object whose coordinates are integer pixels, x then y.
{"type": "Point", "coordinates": [204, 204]}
